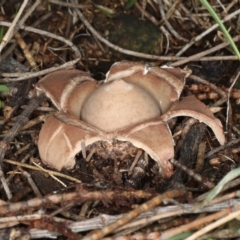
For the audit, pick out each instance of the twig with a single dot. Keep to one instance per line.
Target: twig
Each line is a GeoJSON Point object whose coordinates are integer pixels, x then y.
{"type": "Point", "coordinates": [200, 36]}
{"type": "Point", "coordinates": [211, 226]}
{"type": "Point", "coordinates": [5, 143]}
{"type": "Point", "coordinates": [229, 144]}
{"type": "Point", "coordinates": [198, 222]}
{"type": "Point", "coordinates": [66, 4]}
{"type": "Point", "coordinates": [157, 214]}
{"type": "Point", "coordinates": [228, 186]}
{"type": "Point", "coordinates": [32, 184]}
{"type": "Point", "coordinates": [20, 23]}
{"type": "Point", "coordinates": [75, 197]}
{"type": "Point", "coordinates": [145, 13]}
{"type": "Point", "coordinates": [188, 13]}
{"type": "Point", "coordinates": [212, 86]}
{"type": "Point", "coordinates": [47, 34]}
{"type": "Point", "coordinates": [193, 174]}
{"type": "Point", "coordinates": [229, 95]}
{"type": "Point", "coordinates": [204, 53]}
{"type": "Point", "coordinates": [10, 31]}
{"type": "Point", "coordinates": [5, 185]}
{"type": "Point", "coordinates": [98, 234]}
{"type": "Point", "coordinates": [24, 76]}
{"type": "Point", "coordinates": [25, 218]}
{"type": "Point", "coordinates": [51, 175]}
{"type": "Point", "coordinates": [9, 50]}
{"type": "Point", "coordinates": [26, 52]}
{"type": "Point", "coordinates": [217, 58]}
{"type": "Point", "coordinates": [28, 155]}
{"type": "Point", "coordinates": [24, 165]}
{"type": "Point", "coordinates": [200, 157]}
{"type": "Point", "coordinates": [27, 14]}
{"type": "Point", "coordinates": [115, 47]}
{"type": "Point", "coordinates": [168, 25]}
{"type": "Point", "coordinates": [21, 120]}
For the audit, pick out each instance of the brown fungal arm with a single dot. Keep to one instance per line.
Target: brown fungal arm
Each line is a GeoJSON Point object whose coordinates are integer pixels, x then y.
{"type": "Point", "coordinates": [67, 89]}
{"type": "Point", "coordinates": [58, 142]}
{"type": "Point", "coordinates": [156, 140]}
{"type": "Point", "coordinates": [192, 107]}
{"type": "Point", "coordinates": [164, 84]}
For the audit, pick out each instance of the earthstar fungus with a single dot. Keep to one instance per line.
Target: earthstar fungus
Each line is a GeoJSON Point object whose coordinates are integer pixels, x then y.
{"type": "Point", "coordinates": [131, 106]}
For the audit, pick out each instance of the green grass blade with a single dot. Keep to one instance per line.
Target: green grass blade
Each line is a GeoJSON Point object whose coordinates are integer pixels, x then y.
{"type": "Point", "coordinates": [129, 4]}
{"type": "Point", "coordinates": [181, 236]}
{"type": "Point", "coordinates": [107, 11]}
{"type": "Point", "coordinates": [221, 25]}
{"type": "Point", "coordinates": [216, 190]}
{"type": "Point", "coordinates": [4, 88]}
{"type": "Point", "coordinates": [1, 33]}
